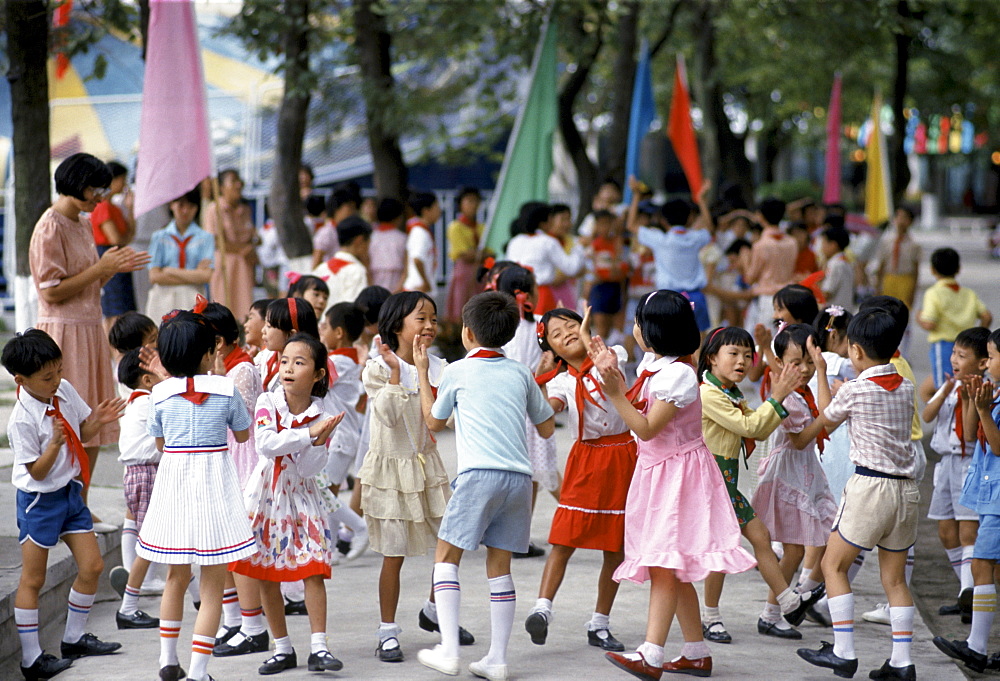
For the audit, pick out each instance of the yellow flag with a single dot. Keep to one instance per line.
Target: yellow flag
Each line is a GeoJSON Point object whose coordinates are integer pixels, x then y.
{"type": "Point", "coordinates": [878, 188]}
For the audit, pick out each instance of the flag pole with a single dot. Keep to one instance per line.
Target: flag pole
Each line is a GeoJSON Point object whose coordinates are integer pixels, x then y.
{"type": "Point", "coordinates": [220, 242]}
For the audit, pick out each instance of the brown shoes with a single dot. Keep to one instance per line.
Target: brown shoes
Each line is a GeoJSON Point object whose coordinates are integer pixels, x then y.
{"type": "Point", "coordinates": [682, 665]}
{"type": "Point", "coordinates": [637, 668]}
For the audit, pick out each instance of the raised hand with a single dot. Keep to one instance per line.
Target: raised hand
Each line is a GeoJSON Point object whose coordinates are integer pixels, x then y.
{"type": "Point", "coordinates": [149, 360]}
{"type": "Point", "coordinates": [984, 396]}
{"type": "Point", "coordinates": [388, 355]}
{"type": "Point", "coordinates": [321, 431]}
{"type": "Point", "coordinates": [817, 355]}
{"type": "Point", "coordinates": [546, 364]}
{"type": "Point", "coordinates": [786, 383]}
{"type": "Point", "coordinates": [420, 359]}
{"type": "Point", "coordinates": [585, 329]}
{"type": "Point", "coordinates": [762, 336]}
{"type": "Point", "coordinates": [108, 411]}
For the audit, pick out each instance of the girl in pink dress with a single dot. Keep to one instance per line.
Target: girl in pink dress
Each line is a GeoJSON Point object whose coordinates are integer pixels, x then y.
{"type": "Point", "coordinates": [232, 280]}
{"type": "Point", "coordinates": [68, 276]}
{"type": "Point", "coordinates": [679, 522]}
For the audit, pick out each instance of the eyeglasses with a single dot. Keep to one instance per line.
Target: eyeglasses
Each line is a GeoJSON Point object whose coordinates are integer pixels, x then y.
{"type": "Point", "coordinates": [100, 193]}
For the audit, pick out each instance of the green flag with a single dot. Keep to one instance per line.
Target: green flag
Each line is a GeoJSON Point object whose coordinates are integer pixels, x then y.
{"type": "Point", "coordinates": [527, 163]}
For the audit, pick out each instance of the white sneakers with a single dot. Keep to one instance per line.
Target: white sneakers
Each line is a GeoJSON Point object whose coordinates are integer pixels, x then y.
{"type": "Point", "coordinates": [436, 660]}
{"type": "Point", "coordinates": [880, 615]}
{"type": "Point", "coordinates": [493, 672]}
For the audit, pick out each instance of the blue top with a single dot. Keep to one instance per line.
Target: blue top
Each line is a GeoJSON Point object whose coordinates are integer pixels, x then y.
{"type": "Point", "coordinates": [182, 423]}
{"type": "Point", "coordinates": [981, 491]}
{"type": "Point", "coordinates": [164, 252]}
{"type": "Point", "coordinates": [675, 255]}
{"type": "Point", "coordinates": [490, 398]}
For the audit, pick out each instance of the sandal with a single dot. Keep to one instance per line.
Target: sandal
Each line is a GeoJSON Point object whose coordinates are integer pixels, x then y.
{"type": "Point", "coordinates": [716, 632]}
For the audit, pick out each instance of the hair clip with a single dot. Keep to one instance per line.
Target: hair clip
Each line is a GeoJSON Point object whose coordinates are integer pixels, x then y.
{"type": "Point", "coordinates": [293, 277]}
{"type": "Point", "coordinates": [170, 315]}
{"type": "Point", "coordinates": [200, 303]}
{"type": "Point", "coordinates": [522, 301]}
{"type": "Point", "coordinates": [293, 313]}
{"type": "Point", "coordinates": [489, 262]}
{"type": "Point", "coordinates": [835, 311]}
{"type": "Point", "coordinates": [540, 330]}
{"type": "Point", "coordinates": [781, 324]}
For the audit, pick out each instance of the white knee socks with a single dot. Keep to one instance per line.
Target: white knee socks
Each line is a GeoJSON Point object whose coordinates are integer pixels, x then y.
{"type": "Point", "coordinates": [27, 631]}
{"type": "Point", "coordinates": [448, 596]}
{"type": "Point", "coordinates": [842, 614]}
{"type": "Point", "coordinates": [984, 607]}
{"type": "Point", "coordinates": [78, 610]}
{"type": "Point", "coordinates": [901, 619]}
{"type": "Point", "coordinates": [503, 601]}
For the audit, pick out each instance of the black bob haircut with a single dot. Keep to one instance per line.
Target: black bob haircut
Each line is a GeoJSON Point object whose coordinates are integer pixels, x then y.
{"type": "Point", "coordinates": [221, 318]}
{"type": "Point", "coordinates": [838, 235]}
{"type": "Point", "coordinates": [80, 171]}
{"type": "Point", "coordinates": [876, 331]}
{"type": "Point", "coordinates": [395, 309]}
{"type": "Point", "coordinates": [975, 339]}
{"type": "Point", "coordinates": [716, 339]}
{"type": "Point", "coordinates": [894, 306]}
{"type": "Point", "coordinates": [421, 201]}
{"type": "Point", "coordinates": [492, 317]}
{"type": "Point", "coordinates": [799, 301]}
{"type": "Point", "coordinates": [193, 197]}
{"type": "Point", "coordinates": [307, 282]}
{"type": "Point", "coordinates": [347, 316]}
{"type": "Point", "coordinates": [772, 209]}
{"type": "Point", "coordinates": [667, 323]}
{"type": "Point", "coordinates": [28, 352]}
{"type": "Point", "coordinates": [826, 322]}
{"type": "Point", "coordinates": [280, 317]}
{"type": "Point", "coordinates": [389, 210]}
{"type": "Point", "coordinates": [995, 340]}
{"type": "Point", "coordinates": [557, 313]}
{"type": "Point", "coordinates": [117, 169]}
{"type": "Point", "coordinates": [130, 330]}
{"type": "Point", "coordinates": [795, 334]}
{"type": "Point", "coordinates": [370, 301]}
{"type": "Point", "coordinates": [130, 371]}
{"type": "Point", "coordinates": [343, 194]}
{"type": "Point", "coordinates": [516, 279]}
{"type": "Point", "coordinates": [946, 262]}
{"type": "Point", "coordinates": [318, 352]}
{"type": "Point", "coordinates": [350, 228]}
{"type": "Point", "coordinates": [184, 340]}
{"type": "Point", "coordinates": [676, 212]}
{"type": "Point", "coordinates": [260, 306]}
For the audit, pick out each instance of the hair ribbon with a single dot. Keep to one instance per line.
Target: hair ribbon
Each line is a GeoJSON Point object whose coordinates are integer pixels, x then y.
{"type": "Point", "coordinates": [293, 312]}
{"type": "Point", "coordinates": [489, 262]}
{"type": "Point", "coordinates": [293, 277]}
{"type": "Point", "coordinates": [522, 301]}
{"type": "Point", "coordinates": [200, 303]}
{"type": "Point", "coordinates": [170, 315]}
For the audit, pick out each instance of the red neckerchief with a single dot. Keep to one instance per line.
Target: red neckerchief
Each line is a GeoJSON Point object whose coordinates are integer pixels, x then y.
{"type": "Point", "coordinates": [181, 245]}
{"type": "Point", "coordinates": [954, 287]}
{"type": "Point", "coordinates": [549, 375]}
{"type": "Point", "coordinates": [136, 394]}
{"type": "Point", "coordinates": [897, 354]}
{"type": "Point", "coordinates": [73, 443]}
{"type": "Point", "coordinates": [822, 436]}
{"type": "Point", "coordinates": [237, 356]}
{"type": "Point", "coordinates": [466, 220]}
{"type": "Point", "coordinates": [272, 369]}
{"type": "Point", "coordinates": [677, 229]}
{"type": "Point", "coordinates": [582, 393]}
{"type": "Point", "coordinates": [347, 352]}
{"type": "Point", "coordinates": [413, 223]}
{"type": "Point", "coordinates": [483, 353]}
{"type": "Point", "coordinates": [959, 425]}
{"type": "Point", "coordinates": [336, 264]}
{"type": "Point", "coordinates": [191, 395]}
{"type": "Point", "coordinates": [636, 390]}
{"type": "Point", "coordinates": [887, 381]}
{"type": "Point", "coordinates": [385, 227]}
{"type": "Point", "coordinates": [279, 461]}
{"type": "Point", "coordinates": [777, 237]}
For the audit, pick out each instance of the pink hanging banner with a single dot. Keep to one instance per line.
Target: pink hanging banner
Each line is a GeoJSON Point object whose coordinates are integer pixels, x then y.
{"type": "Point", "coordinates": [831, 180]}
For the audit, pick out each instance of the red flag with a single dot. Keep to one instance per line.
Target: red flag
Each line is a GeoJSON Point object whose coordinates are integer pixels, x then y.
{"type": "Point", "coordinates": [680, 130]}
{"type": "Point", "coordinates": [60, 17]}
{"type": "Point", "coordinates": [831, 179]}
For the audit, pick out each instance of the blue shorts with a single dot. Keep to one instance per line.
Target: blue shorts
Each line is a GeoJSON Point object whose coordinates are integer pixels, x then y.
{"type": "Point", "coordinates": [700, 309]}
{"type": "Point", "coordinates": [118, 295]}
{"type": "Point", "coordinates": [606, 297]}
{"type": "Point", "coordinates": [490, 508]}
{"type": "Point", "coordinates": [43, 517]}
{"type": "Point", "coordinates": [988, 540]}
{"type": "Point", "coordinates": [940, 353]}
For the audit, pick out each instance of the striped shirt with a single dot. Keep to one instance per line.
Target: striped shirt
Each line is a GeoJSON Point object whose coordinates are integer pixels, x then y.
{"type": "Point", "coordinates": [182, 423]}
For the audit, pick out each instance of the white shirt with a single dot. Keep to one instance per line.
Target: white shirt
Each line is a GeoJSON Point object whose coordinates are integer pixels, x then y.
{"type": "Point", "coordinates": [420, 246]}
{"type": "Point", "coordinates": [135, 443]}
{"type": "Point", "coordinates": [523, 347]}
{"type": "Point", "coordinates": [345, 390]}
{"type": "Point", "coordinates": [597, 421]}
{"type": "Point", "coordinates": [29, 431]}
{"type": "Point", "coordinates": [345, 275]}
{"type": "Point", "coordinates": [543, 254]}
{"type": "Point", "coordinates": [944, 440]}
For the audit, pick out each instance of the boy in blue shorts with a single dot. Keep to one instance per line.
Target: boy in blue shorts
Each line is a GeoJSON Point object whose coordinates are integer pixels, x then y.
{"type": "Point", "coordinates": [489, 396]}
{"type": "Point", "coordinates": [47, 429]}
{"type": "Point", "coordinates": [980, 495]}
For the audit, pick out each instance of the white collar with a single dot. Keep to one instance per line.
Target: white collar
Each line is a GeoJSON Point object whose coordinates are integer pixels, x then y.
{"type": "Point", "coordinates": [650, 363]}
{"type": "Point", "coordinates": [482, 347]}
{"type": "Point", "coordinates": [203, 383]}
{"type": "Point", "coordinates": [281, 407]}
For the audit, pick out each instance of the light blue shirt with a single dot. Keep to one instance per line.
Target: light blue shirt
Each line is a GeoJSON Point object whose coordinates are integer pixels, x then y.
{"type": "Point", "coordinates": [164, 252]}
{"type": "Point", "coordinates": [490, 398]}
{"type": "Point", "coordinates": [981, 491]}
{"type": "Point", "coordinates": [182, 423]}
{"type": "Point", "coordinates": [675, 255]}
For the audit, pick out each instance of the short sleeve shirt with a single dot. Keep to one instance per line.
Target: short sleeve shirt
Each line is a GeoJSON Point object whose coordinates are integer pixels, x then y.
{"type": "Point", "coordinates": [164, 251]}
{"type": "Point", "coordinates": [951, 310]}
{"type": "Point", "coordinates": [135, 444]}
{"type": "Point", "coordinates": [419, 246]}
{"type": "Point", "coordinates": [598, 419]}
{"type": "Point", "coordinates": [673, 381]}
{"type": "Point", "coordinates": [29, 431]}
{"type": "Point", "coordinates": [182, 423]}
{"type": "Point", "coordinates": [675, 252]}
{"type": "Point", "coordinates": [105, 211]}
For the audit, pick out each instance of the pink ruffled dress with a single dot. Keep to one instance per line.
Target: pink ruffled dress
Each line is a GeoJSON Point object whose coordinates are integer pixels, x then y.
{"type": "Point", "coordinates": [678, 514]}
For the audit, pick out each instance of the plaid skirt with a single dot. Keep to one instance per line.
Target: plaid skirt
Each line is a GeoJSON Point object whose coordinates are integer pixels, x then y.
{"type": "Point", "coordinates": [138, 483]}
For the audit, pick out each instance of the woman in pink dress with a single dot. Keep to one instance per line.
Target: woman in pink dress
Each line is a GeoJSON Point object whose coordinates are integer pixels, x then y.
{"type": "Point", "coordinates": [679, 522]}
{"type": "Point", "coordinates": [68, 276]}
{"type": "Point", "coordinates": [236, 290]}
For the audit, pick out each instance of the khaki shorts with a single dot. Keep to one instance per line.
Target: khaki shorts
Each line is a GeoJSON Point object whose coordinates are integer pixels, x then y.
{"type": "Point", "coordinates": [878, 512]}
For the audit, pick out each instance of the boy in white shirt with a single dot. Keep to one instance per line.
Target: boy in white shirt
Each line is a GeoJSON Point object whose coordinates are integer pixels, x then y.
{"type": "Point", "coordinates": [46, 430]}
{"type": "Point", "coordinates": [346, 273]}
{"type": "Point", "coordinates": [421, 255]}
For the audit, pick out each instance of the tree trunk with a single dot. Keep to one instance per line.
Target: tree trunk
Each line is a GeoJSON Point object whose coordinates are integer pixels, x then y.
{"type": "Point", "coordinates": [373, 44]}
{"type": "Point", "coordinates": [144, 25]}
{"type": "Point", "coordinates": [623, 80]}
{"type": "Point", "coordinates": [586, 171]}
{"type": "Point", "coordinates": [27, 50]}
{"type": "Point", "coordinates": [285, 202]}
{"type": "Point", "coordinates": [900, 168]}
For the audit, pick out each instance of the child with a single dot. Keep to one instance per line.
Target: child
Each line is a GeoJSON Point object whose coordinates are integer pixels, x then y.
{"type": "Point", "coordinates": [880, 502]}
{"type": "Point", "coordinates": [690, 530]}
{"type": "Point", "coordinates": [464, 234]}
{"type": "Point", "coordinates": [560, 226]}
{"type": "Point", "coordinates": [293, 539]}
{"type": "Point", "coordinates": [182, 256]}
{"type": "Point", "coordinates": [805, 263]}
{"type": "Point", "coordinates": [793, 497]}
{"type": "Point", "coordinates": [189, 417]}
{"type": "Point", "coordinates": [978, 494]}
{"type": "Point", "coordinates": [897, 260]}
{"type": "Point", "coordinates": [610, 273]}
{"type": "Point", "coordinates": [421, 255]}
{"type": "Point", "coordinates": [253, 326]}
{"type": "Point", "coordinates": [131, 331]}
{"type": "Point", "coordinates": [838, 282]}
{"type": "Point", "coordinates": [345, 273]}
{"type": "Point", "coordinates": [957, 524]}
{"type": "Point", "coordinates": [544, 255]}
{"type": "Point", "coordinates": [284, 317]}
{"type": "Point", "coordinates": [310, 288]}
{"type": "Point", "coordinates": [772, 260]}
{"type": "Point", "coordinates": [591, 510]}
{"type": "Point", "coordinates": [492, 501]}
{"type": "Point", "coordinates": [46, 430]}
{"type": "Point", "coordinates": [730, 428]}
{"type": "Point", "coordinates": [339, 329]}
{"type": "Point", "coordinates": [948, 309]}
{"type": "Point", "coordinates": [404, 486]}
{"type": "Point", "coordinates": [519, 283]}
{"type": "Point", "coordinates": [387, 252]}
{"type": "Point", "coordinates": [141, 459]}
{"type": "Point", "coordinates": [343, 203]}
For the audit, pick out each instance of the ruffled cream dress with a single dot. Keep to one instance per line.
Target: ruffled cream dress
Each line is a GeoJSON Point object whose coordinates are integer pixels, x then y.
{"type": "Point", "coordinates": [404, 485]}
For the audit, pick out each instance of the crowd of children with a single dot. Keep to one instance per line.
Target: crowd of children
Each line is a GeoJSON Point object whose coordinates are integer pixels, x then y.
{"type": "Point", "coordinates": [335, 385]}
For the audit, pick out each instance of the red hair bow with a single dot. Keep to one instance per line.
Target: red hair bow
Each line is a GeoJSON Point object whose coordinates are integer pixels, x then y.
{"type": "Point", "coordinates": [522, 301]}
{"type": "Point", "coordinates": [170, 315]}
{"type": "Point", "coordinates": [489, 262]}
{"type": "Point", "coordinates": [200, 303]}
{"type": "Point", "coordinates": [292, 277]}
{"type": "Point", "coordinates": [540, 330]}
